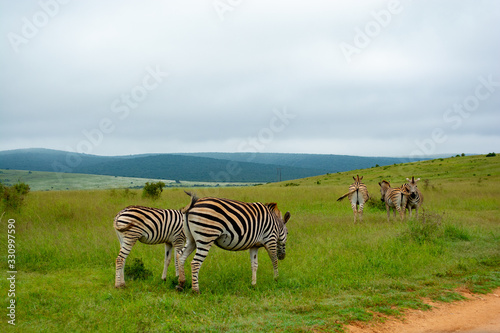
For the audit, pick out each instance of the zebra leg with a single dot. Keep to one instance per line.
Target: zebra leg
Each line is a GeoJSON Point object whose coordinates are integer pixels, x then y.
{"type": "Point", "coordinates": [388, 209]}
{"type": "Point", "coordinates": [354, 209]}
{"type": "Point", "coordinates": [125, 248]}
{"type": "Point", "coordinates": [409, 210]}
{"type": "Point", "coordinates": [199, 257]}
{"type": "Point", "coordinates": [178, 245]}
{"type": "Point", "coordinates": [360, 212]}
{"type": "Point", "coordinates": [186, 251]}
{"type": "Point", "coordinates": [271, 250]}
{"type": "Point", "coordinates": [168, 257]}
{"type": "Point", "coordinates": [400, 212]}
{"type": "Point", "coordinates": [255, 264]}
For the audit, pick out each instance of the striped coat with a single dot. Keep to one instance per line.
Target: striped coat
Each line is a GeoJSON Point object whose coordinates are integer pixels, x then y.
{"type": "Point", "coordinates": [358, 195]}
{"type": "Point", "coordinates": [393, 197]}
{"type": "Point", "coordinates": [234, 226]}
{"type": "Point", "coordinates": [416, 198]}
{"type": "Point", "coordinates": [149, 226]}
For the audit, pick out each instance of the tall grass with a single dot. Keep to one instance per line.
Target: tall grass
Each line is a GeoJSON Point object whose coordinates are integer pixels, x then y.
{"type": "Point", "coordinates": [335, 271]}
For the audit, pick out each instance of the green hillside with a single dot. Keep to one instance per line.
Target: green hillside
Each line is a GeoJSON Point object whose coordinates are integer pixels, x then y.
{"type": "Point", "coordinates": [336, 272]}
{"type": "Point", "coordinates": [474, 169]}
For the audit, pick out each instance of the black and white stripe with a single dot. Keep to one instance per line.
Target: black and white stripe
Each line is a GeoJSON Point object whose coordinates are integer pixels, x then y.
{"type": "Point", "coordinates": [149, 226]}
{"type": "Point", "coordinates": [358, 196]}
{"type": "Point", "coordinates": [416, 198]}
{"type": "Point", "coordinates": [393, 197]}
{"type": "Point", "coordinates": [234, 226]}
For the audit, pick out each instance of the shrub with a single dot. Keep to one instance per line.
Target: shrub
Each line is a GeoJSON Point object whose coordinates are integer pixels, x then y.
{"type": "Point", "coordinates": [153, 190]}
{"type": "Point", "coordinates": [375, 204]}
{"type": "Point", "coordinates": [136, 270]}
{"type": "Point", "coordinates": [424, 229]}
{"type": "Point", "coordinates": [491, 155]}
{"type": "Point", "coordinates": [13, 196]}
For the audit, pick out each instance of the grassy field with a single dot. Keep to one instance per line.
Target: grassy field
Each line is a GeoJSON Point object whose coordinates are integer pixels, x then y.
{"type": "Point", "coordinates": [57, 181]}
{"type": "Point", "coordinates": [335, 271]}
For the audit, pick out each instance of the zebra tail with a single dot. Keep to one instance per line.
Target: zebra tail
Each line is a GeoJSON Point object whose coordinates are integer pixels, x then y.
{"type": "Point", "coordinates": [345, 195]}
{"type": "Point", "coordinates": [194, 198]}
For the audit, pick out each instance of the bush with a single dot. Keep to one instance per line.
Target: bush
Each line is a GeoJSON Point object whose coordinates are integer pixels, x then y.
{"type": "Point", "coordinates": [153, 190]}
{"type": "Point", "coordinates": [491, 155]}
{"type": "Point", "coordinates": [424, 229]}
{"type": "Point", "coordinates": [13, 196]}
{"type": "Point", "coordinates": [136, 270]}
{"type": "Point", "coordinates": [375, 204]}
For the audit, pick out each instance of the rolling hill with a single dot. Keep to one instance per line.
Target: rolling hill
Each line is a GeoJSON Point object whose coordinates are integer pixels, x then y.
{"type": "Point", "coordinates": [201, 167]}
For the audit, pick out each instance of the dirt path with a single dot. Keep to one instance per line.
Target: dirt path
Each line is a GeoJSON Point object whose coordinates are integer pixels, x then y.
{"type": "Point", "coordinates": [477, 314]}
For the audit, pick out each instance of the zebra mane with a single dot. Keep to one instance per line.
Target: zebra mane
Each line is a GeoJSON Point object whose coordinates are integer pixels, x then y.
{"type": "Point", "coordinates": [273, 207]}
{"type": "Point", "coordinates": [385, 182]}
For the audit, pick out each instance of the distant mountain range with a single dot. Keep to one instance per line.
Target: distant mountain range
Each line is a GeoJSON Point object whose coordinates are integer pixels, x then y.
{"type": "Point", "coordinates": [203, 167]}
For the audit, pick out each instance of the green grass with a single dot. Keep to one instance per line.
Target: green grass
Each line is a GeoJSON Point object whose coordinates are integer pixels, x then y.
{"type": "Point", "coordinates": [335, 271]}
{"type": "Point", "coordinates": [57, 181]}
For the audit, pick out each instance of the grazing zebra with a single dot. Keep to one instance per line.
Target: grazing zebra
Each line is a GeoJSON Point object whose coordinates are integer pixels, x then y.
{"type": "Point", "coordinates": [358, 195]}
{"type": "Point", "coordinates": [234, 226]}
{"type": "Point", "coordinates": [393, 197]}
{"type": "Point", "coordinates": [416, 198]}
{"type": "Point", "coordinates": [149, 226]}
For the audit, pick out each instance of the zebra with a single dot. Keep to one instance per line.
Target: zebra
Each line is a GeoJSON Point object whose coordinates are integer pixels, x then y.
{"type": "Point", "coordinates": [231, 225]}
{"type": "Point", "coordinates": [416, 198]}
{"type": "Point", "coordinates": [393, 197]}
{"type": "Point", "coordinates": [149, 226]}
{"type": "Point", "coordinates": [358, 195]}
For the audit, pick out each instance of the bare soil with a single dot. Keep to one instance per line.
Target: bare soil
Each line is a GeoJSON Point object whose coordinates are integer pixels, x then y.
{"type": "Point", "coordinates": [476, 314]}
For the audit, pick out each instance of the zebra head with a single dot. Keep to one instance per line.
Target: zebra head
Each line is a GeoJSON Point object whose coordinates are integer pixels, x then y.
{"type": "Point", "coordinates": [384, 186]}
{"type": "Point", "coordinates": [412, 185]}
{"type": "Point", "coordinates": [282, 237]}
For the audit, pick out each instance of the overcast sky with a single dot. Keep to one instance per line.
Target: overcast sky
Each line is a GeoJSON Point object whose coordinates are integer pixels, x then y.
{"type": "Point", "coordinates": [370, 78]}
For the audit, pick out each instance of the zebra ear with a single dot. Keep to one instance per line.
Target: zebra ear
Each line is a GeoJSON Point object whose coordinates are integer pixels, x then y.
{"type": "Point", "coordinates": [379, 184]}
{"type": "Point", "coordinates": [287, 217]}
{"type": "Point", "coordinates": [361, 178]}
{"type": "Point", "coordinates": [354, 178]}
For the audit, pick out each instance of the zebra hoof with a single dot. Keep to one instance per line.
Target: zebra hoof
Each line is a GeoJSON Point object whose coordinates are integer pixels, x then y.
{"type": "Point", "coordinates": [120, 285]}
{"type": "Point", "coordinates": [179, 288]}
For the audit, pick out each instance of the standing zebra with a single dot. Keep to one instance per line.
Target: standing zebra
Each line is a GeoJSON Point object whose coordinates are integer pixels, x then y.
{"type": "Point", "coordinates": [149, 226]}
{"type": "Point", "coordinates": [234, 226]}
{"type": "Point", "coordinates": [393, 197]}
{"type": "Point", "coordinates": [358, 195]}
{"type": "Point", "coordinates": [416, 198]}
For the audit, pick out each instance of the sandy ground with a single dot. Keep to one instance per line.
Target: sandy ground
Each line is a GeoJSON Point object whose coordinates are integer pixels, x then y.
{"type": "Point", "coordinates": [476, 314]}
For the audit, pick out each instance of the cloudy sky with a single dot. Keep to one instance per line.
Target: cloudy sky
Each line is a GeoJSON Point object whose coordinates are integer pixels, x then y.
{"type": "Point", "coordinates": [371, 78]}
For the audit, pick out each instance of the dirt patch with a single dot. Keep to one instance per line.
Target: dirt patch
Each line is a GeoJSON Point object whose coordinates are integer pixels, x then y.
{"type": "Point", "coordinates": [476, 314]}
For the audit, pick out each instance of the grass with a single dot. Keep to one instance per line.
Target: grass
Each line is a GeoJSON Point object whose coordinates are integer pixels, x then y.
{"type": "Point", "coordinates": [58, 181]}
{"type": "Point", "coordinates": [335, 271]}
